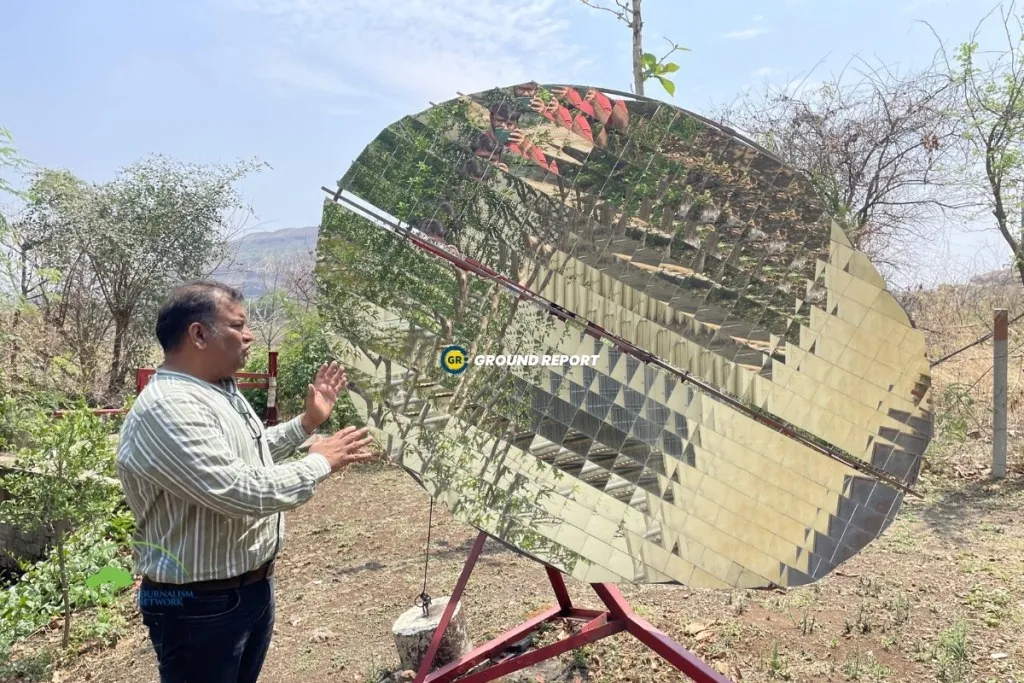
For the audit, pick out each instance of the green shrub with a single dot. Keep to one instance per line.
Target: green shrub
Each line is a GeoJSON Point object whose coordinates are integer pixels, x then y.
{"type": "Point", "coordinates": [36, 598]}
{"type": "Point", "coordinates": [956, 413]}
{"type": "Point", "coordinates": [63, 481]}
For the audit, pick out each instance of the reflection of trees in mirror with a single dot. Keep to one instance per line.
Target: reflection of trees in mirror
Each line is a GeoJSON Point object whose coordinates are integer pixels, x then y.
{"type": "Point", "coordinates": [508, 411]}
{"type": "Point", "coordinates": [513, 510]}
{"type": "Point", "coordinates": [488, 228]}
{"type": "Point", "coordinates": [713, 254]}
{"type": "Point", "coordinates": [497, 207]}
{"type": "Point", "coordinates": [720, 246]}
{"type": "Point", "coordinates": [360, 278]}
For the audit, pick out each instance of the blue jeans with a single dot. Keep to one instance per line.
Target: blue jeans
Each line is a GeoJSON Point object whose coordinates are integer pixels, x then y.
{"type": "Point", "coordinates": [217, 636]}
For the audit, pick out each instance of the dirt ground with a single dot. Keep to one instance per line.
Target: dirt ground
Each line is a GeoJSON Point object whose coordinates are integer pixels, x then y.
{"type": "Point", "coordinates": [937, 598]}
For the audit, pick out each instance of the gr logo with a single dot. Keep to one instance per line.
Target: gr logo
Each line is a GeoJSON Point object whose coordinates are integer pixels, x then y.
{"type": "Point", "coordinates": [454, 360]}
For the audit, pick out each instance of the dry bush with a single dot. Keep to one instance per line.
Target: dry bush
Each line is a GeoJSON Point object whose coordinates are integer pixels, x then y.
{"type": "Point", "coordinates": [38, 361]}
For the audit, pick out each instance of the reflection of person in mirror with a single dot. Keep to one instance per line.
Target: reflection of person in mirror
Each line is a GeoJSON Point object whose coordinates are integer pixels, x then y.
{"type": "Point", "coordinates": [527, 93]}
{"type": "Point", "coordinates": [474, 169]}
{"type": "Point", "coordinates": [433, 230]}
{"type": "Point", "coordinates": [610, 113]}
{"type": "Point", "coordinates": [505, 129]}
{"type": "Point", "coordinates": [487, 147]}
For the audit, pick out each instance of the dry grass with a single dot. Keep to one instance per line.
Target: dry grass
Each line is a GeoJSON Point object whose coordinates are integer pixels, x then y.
{"type": "Point", "coordinates": [923, 603]}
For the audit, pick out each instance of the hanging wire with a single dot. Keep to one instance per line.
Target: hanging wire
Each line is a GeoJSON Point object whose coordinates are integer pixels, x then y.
{"type": "Point", "coordinates": [423, 600]}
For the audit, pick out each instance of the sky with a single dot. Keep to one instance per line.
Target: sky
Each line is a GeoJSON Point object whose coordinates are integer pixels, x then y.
{"type": "Point", "coordinates": [305, 85]}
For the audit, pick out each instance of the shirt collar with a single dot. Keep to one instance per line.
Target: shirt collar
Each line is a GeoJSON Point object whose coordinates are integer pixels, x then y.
{"type": "Point", "coordinates": [228, 386]}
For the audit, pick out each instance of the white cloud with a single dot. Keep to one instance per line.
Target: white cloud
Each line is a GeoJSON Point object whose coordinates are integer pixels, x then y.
{"type": "Point", "coordinates": [759, 17]}
{"type": "Point", "coordinates": [427, 49]}
{"type": "Point", "coordinates": [764, 71]}
{"type": "Point", "coordinates": [745, 34]}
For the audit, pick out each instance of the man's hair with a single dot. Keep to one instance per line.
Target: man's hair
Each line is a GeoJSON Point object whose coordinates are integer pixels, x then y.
{"type": "Point", "coordinates": [473, 168]}
{"type": "Point", "coordinates": [193, 302]}
{"type": "Point", "coordinates": [505, 112]}
{"type": "Point", "coordinates": [486, 143]}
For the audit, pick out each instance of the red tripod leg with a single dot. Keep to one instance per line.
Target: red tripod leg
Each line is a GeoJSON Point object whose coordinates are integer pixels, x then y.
{"type": "Point", "coordinates": [558, 585]}
{"type": "Point", "coordinates": [449, 609]}
{"type": "Point", "coordinates": [669, 650]}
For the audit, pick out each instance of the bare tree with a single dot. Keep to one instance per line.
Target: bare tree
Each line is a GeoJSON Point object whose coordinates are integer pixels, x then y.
{"type": "Point", "coordinates": [877, 148]}
{"type": "Point", "coordinates": [286, 281]}
{"type": "Point", "coordinates": [297, 277]}
{"type": "Point", "coordinates": [645, 65]}
{"type": "Point", "coordinates": [990, 99]}
{"type": "Point", "coordinates": [268, 316]}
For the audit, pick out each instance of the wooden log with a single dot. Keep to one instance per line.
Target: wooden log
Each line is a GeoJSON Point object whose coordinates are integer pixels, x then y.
{"type": "Point", "coordinates": [413, 633]}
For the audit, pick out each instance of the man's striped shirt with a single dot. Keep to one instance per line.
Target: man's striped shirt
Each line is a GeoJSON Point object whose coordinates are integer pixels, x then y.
{"type": "Point", "coordinates": [207, 501]}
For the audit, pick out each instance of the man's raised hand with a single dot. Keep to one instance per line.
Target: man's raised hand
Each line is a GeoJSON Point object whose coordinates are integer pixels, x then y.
{"type": "Point", "coordinates": [345, 447]}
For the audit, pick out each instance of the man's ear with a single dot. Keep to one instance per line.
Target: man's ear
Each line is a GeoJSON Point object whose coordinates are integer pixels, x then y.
{"type": "Point", "coordinates": [198, 335]}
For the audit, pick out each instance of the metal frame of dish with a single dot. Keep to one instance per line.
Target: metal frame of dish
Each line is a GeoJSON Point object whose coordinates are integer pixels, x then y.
{"type": "Point", "coordinates": [597, 624]}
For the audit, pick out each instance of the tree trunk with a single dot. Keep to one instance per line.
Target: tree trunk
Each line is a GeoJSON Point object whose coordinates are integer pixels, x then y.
{"type": "Point", "coordinates": [115, 381]}
{"type": "Point", "coordinates": [638, 48]}
{"type": "Point", "coordinates": [413, 632]}
{"type": "Point", "coordinates": [15, 321]}
{"type": "Point", "coordinates": [65, 595]}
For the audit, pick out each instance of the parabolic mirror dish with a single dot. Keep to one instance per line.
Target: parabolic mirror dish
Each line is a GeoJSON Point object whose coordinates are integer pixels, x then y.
{"type": "Point", "coordinates": [719, 298]}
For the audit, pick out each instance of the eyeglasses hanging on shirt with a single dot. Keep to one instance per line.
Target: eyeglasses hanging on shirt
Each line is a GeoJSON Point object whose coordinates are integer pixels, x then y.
{"type": "Point", "coordinates": [238, 403]}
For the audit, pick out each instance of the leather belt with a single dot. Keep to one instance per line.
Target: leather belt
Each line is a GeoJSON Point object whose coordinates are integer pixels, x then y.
{"type": "Point", "coordinates": [248, 578]}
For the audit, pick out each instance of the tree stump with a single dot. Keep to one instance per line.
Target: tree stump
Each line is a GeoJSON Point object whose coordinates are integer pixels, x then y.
{"type": "Point", "coordinates": [413, 633]}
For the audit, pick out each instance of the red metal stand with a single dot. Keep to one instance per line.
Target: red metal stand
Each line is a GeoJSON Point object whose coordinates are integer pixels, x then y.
{"type": "Point", "coordinates": [597, 624]}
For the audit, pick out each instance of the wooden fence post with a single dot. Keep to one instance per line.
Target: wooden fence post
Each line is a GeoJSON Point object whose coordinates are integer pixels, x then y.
{"type": "Point", "coordinates": [999, 353]}
{"type": "Point", "coordinates": [271, 416]}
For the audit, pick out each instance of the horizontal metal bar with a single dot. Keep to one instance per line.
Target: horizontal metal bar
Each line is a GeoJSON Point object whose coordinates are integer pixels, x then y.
{"type": "Point", "coordinates": [94, 411]}
{"type": "Point", "coordinates": [513, 664]}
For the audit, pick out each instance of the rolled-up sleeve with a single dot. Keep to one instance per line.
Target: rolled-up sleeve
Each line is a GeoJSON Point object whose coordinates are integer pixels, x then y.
{"type": "Point", "coordinates": [181, 447]}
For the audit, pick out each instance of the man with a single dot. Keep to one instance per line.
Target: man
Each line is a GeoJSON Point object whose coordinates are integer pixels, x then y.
{"type": "Point", "coordinates": [207, 487]}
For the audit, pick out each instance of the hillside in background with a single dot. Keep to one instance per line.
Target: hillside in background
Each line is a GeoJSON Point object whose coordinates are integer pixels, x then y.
{"type": "Point", "coordinates": [251, 256]}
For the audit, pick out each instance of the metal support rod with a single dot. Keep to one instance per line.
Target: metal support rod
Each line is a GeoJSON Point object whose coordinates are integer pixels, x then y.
{"type": "Point", "coordinates": [999, 353]}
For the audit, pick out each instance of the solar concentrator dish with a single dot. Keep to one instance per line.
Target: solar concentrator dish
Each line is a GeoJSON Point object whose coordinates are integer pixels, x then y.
{"type": "Point", "coordinates": [714, 294]}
